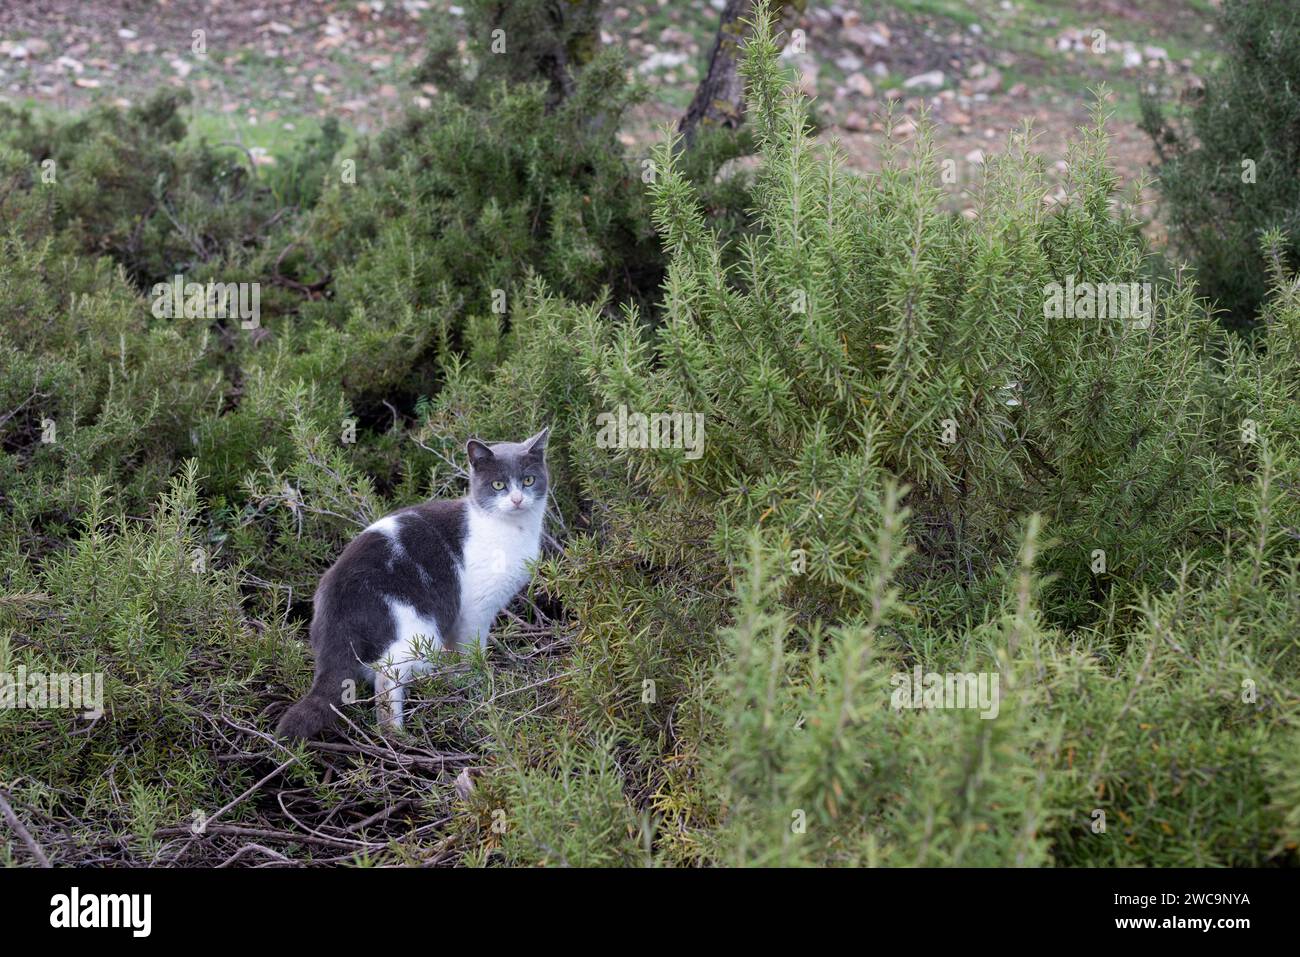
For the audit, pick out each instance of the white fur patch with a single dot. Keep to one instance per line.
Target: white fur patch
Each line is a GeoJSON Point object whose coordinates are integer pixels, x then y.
{"type": "Point", "coordinates": [390, 526]}
{"type": "Point", "coordinates": [498, 548]}
{"type": "Point", "coordinates": [418, 638]}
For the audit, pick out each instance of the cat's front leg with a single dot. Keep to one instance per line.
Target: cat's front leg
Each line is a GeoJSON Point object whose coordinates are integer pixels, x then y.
{"type": "Point", "coordinates": [472, 630]}
{"type": "Point", "coordinates": [390, 693]}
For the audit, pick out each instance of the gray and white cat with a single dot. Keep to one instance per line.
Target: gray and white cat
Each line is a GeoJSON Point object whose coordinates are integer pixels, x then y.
{"type": "Point", "coordinates": [432, 576]}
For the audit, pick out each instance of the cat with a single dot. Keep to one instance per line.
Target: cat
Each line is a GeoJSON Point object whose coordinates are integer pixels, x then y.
{"type": "Point", "coordinates": [432, 576]}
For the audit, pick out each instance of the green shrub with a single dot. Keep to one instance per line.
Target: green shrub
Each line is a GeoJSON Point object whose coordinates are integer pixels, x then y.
{"type": "Point", "coordinates": [516, 169]}
{"type": "Point", "coordinates": [129, 185]}
{"type": "Point", "coordinates": [1227, 170]}
{"type": "Point", "coordinates": [909, 462]}
{"type": "Point", "coordinates": [515, 44]}
{"type": "Point", "coordinates": [860, 317]}
{"type": "Point", "coordinates": [461, 200]}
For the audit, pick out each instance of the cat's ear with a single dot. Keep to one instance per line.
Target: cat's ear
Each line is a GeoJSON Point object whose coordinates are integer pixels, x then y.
{"type": "Point", "coordinates": [478, 453]}
{"type": "Point", "coordinates": [537, 444]}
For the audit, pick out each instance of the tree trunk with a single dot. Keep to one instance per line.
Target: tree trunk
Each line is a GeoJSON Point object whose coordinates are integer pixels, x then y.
{"type": "Point", "coordinates": [575, 26]}
{"type": "Point", "coordinates": [719, 100]}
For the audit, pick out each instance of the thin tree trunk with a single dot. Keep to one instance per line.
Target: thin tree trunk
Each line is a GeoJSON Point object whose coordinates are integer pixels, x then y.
{"type": "Point", "coordinates": [547, 39]}
{"type": "Point", "coordinates": [576, 24]}
{"type": "Point", "coordinates": [719, 100]}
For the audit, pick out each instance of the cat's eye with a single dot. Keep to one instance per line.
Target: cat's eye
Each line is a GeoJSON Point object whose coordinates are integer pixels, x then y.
{"type": "Point", "coordinates": [529, 480]}
{"type": "Point", "coordinates": [498, 485]}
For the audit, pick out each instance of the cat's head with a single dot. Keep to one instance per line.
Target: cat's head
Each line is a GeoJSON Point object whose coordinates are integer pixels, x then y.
{"type": "Point", "coordinates": [509, 479]}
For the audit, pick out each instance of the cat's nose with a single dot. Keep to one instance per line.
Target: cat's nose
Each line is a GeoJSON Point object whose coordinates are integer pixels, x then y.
{"type": "Point", "coordinates": [517, 498]}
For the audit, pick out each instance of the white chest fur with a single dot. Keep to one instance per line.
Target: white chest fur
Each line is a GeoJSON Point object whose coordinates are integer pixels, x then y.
{"type": "Point", "coordinates": [496, 556]}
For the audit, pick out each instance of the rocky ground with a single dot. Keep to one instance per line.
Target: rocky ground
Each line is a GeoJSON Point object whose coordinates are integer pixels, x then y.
{"type": "Point", "coordinates": [979, 68]}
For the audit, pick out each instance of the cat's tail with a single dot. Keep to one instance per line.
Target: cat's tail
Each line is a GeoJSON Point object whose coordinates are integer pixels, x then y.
{"type": "Point", "coordinates": [315, 713]}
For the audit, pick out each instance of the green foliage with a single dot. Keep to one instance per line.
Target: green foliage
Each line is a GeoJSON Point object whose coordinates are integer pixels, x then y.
{"type": "Point", "coordinates": [127, 184]}
{"type": "Point", "coordinates": [909, 464]}
{"type": "Point", "coordinates": [570, 812]}
{"type": "Point", "coordinates": [451, 210]}
{"type": "Point", "coordinates": [88, 385]}
{"type": "Point", "coordinates": [1228, 168]}
{"type": "Point", "coordinates": [143, 605]}
{"type": "Point", "coordinates": [859, 318]}
{"type": "Point", "coordinates": [515, 44]}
